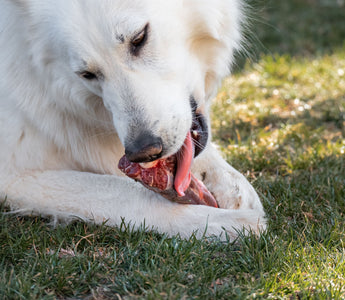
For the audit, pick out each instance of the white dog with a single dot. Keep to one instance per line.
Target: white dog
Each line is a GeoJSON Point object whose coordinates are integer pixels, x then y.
{"type": "Point", "coordinates": [85, 81]}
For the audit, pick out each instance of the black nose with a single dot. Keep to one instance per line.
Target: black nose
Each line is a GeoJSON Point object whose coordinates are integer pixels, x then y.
{"type": "Point", "coordinates": [145, 148]}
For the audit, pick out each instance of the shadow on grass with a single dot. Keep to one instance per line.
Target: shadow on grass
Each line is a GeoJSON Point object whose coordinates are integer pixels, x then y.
{"type": "Point", "coordinates": [294, 27]}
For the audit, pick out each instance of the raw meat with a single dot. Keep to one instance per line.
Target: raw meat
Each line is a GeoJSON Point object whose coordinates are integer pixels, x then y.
{"type": "Point", "coordinates": [159, 176]}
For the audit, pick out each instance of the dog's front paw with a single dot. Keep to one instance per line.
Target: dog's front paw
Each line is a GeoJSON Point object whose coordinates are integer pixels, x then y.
{"type": "Point", "coordinates": [230, 188]}
{"type": "Point", "coordinates": [222, 223]}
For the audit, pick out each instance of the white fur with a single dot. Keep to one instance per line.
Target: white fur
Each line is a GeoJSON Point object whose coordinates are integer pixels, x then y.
{"type": "Point", "coordinates": [61, 136]}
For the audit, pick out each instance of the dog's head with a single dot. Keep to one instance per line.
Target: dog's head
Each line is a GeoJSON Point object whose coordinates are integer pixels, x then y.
{"type": "Point", "coordinates": [153, 63]}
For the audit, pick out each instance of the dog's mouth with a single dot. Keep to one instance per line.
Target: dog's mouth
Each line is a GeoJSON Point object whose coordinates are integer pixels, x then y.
{"type": "Point", "coordinates": [199, 132]}
{"type": "Point", "coordinates": [171, 176]}
{"type": "Point", "coordinates": [193, 145]}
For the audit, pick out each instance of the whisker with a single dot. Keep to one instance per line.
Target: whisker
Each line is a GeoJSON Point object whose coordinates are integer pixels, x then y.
{"type": "Point", "coordinates": [199, 145]}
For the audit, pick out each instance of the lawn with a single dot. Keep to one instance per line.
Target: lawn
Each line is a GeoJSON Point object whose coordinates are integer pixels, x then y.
{"type": "Point", "coordinates": [280, 120]}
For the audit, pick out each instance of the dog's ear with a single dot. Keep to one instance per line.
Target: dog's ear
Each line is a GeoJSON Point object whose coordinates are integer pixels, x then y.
{"type": "Point", "coordinates": [215, 33]}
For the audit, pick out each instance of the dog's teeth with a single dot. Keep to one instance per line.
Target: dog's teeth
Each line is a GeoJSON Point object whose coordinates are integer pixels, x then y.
{"type": "Point", "coordinates": [195, 134]}
{"type": "Point", "coordinates": [148, 165]}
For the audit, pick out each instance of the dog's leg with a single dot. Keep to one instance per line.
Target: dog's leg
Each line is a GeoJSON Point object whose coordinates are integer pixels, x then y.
{"type": "Point", "coordinates": [231, 189]}
{"type": "Point", "coordinates": [104, 197]}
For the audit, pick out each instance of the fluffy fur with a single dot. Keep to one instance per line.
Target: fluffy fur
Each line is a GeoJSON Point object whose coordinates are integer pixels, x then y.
{"type": "Point", "coordinates": [62, 135]}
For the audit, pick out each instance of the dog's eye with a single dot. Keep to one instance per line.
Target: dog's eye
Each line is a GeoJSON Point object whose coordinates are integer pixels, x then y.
{"type": "Point", "coordinates": [139, 40]}
{"type": "Point", "coordinates": [87, 75]}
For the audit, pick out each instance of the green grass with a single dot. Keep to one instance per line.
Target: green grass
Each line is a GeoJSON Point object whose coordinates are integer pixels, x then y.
{"type": "Point", "coordinates": [281, 121]}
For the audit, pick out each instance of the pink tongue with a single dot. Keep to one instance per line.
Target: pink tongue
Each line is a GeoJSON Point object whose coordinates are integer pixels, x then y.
{"type": "Point", "coordinates": [184, 163]}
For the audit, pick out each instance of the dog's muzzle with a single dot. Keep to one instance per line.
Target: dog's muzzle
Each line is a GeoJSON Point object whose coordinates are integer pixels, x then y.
{"type": "Point", "coordinates": [148, 147]}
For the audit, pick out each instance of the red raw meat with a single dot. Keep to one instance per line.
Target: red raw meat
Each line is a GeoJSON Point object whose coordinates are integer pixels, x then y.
{"type": "Point", "coordinates": [159, 176]}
